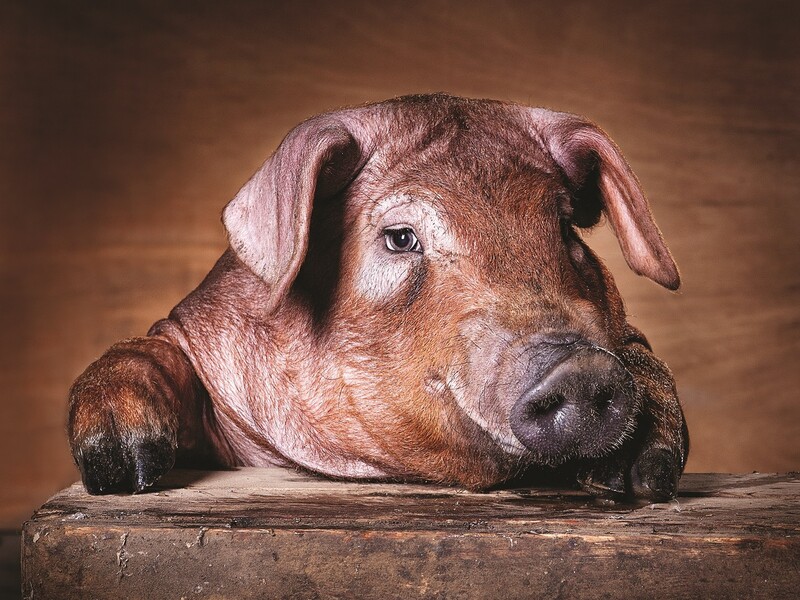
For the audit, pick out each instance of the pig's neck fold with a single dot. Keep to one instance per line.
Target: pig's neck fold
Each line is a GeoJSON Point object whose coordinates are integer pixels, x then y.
{"type": "Point", "coordinates": [270, 404]}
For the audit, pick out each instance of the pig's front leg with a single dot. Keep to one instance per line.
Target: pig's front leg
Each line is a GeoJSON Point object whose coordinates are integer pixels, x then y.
{"type": "Point", "coordinates": [649, 464]}
{"type": "Point", "coordinates": [131, 411]}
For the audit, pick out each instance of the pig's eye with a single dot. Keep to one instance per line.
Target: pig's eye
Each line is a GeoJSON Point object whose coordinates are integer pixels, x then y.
{"type": "Point", "coordinates": [402, 239]}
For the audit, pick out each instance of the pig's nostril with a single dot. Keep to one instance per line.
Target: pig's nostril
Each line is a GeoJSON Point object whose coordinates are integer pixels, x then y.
{"type": "Point", "coordinates": [604, 397]}
{"type": "Point", "coordinates": [545, 405]}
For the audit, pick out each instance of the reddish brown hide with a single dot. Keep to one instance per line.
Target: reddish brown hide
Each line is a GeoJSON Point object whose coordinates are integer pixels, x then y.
{"type": "Point", "coordinates": [407, 296]}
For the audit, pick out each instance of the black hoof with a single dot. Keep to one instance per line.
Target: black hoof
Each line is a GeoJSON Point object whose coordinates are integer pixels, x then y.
{"type": "Point", "coordinates": [655, 475]}
{"type": "Point", "coordinates": [604, 479]}
{"type": "Point", "coordinates": [108, 466]}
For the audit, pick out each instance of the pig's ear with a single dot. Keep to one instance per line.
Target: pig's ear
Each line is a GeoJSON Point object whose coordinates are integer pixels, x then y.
{"type": "Point", "coordinates": [268, 220]}
{"type": "Point", "coordinates": [601, 179]}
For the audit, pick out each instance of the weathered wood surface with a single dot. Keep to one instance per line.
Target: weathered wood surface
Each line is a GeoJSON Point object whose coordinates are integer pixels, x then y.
{"type": "Point", "coordinates": [271, 533]}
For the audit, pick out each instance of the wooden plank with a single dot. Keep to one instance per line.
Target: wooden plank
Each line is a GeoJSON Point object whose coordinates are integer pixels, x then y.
{"type": "Point", "coordinates": [272, 533]}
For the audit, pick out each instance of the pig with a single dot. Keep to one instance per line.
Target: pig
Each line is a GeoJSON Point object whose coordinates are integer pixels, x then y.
{"type": "Point", "coordinates": [406, 296]}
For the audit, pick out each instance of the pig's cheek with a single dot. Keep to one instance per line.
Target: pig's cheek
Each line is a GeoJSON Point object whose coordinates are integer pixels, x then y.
{"type": "Point", "coordinates": [382, 278]}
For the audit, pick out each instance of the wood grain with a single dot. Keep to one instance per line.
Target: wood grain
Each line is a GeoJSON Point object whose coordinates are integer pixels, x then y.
{"type": "Point", "coordinates": [271, 533]}
{"type": "Point", "coordinates": [124, 128]}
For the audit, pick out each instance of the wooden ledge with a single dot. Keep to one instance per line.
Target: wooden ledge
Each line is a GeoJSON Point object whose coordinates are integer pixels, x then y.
{"type": "Point", "coordinates": [273, 533]}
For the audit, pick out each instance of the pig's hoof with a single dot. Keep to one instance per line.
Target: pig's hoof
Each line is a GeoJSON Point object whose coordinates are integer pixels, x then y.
{"type": "Point", "coordinates": [654, 475]}
{"type": "Point", "coordinates": [604, 480]}
{"type": "Point", "coordinates": [108, 466]}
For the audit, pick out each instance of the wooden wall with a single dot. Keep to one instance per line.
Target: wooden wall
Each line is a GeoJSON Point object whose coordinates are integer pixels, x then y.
{"type": "Point", "coordinates": [123, 131]}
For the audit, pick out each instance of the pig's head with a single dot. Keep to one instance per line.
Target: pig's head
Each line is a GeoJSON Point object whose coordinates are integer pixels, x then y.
{"type": "Point", "coordinates": [434, 244]}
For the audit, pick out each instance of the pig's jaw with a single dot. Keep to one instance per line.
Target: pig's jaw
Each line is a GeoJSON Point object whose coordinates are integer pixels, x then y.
{"type": "Point", "coordinates": [270, 445]}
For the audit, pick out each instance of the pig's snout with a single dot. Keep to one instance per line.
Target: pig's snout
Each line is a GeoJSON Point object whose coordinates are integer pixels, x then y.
{"type": "Point", "coordinates": [581, 407]}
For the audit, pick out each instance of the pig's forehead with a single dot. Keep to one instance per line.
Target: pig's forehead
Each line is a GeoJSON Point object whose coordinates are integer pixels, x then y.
{"type": "Point", "coordinates": [466, 156]}
{"type": "Point", "coordinates": [463, 146]}
{"type": "Point", "coordinates": [467, 132]}
{"type": "Point", "coordinates": [460, 134]}
{"type": "Point", "coordinates": [494, 180]}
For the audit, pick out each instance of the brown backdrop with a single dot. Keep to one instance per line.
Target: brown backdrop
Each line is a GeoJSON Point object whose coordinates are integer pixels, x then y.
{"type": "Point", "coordinates": [124, 131]}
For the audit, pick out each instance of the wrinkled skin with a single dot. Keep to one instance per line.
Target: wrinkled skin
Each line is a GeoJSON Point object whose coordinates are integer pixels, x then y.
{"type": "Point", "coordinates": [407, 297]}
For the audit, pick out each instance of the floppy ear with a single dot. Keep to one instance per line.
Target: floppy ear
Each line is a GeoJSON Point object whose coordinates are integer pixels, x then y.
{"type": "Point", "coordinates": [599, 175]}
{"type": "Point", "coordinates": [268, 220]}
